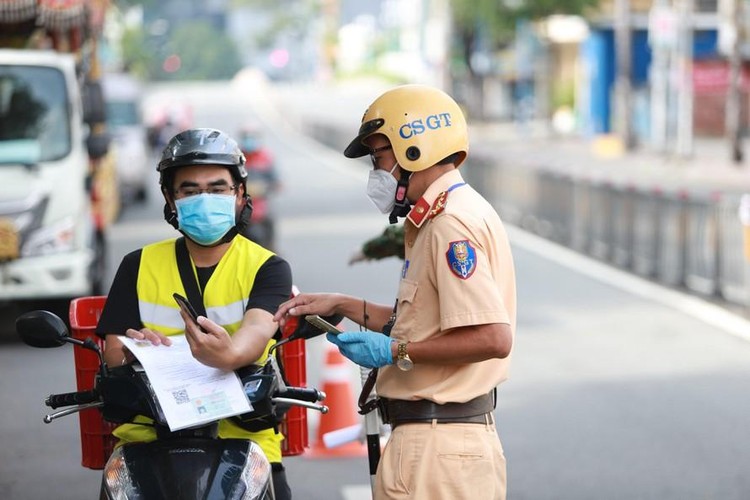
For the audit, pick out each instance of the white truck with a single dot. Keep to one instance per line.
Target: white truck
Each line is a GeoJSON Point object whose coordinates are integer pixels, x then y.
{"type": "Point", "coordinates": [123, 94]}
{"type": "Point", "coordinates": [58, 189]}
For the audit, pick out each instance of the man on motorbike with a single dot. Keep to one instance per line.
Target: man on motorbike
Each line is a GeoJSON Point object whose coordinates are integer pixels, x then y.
{"type": "Point", "coordinates": [203, 180]}
{"type": "Point", "coordinates": [440, 352]}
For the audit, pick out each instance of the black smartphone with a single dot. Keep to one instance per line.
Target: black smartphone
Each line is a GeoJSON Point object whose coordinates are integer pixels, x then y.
{"type": "Point", "coordinates": [186, 306]}
{"type": "Point", "coordinates": [322, 324]}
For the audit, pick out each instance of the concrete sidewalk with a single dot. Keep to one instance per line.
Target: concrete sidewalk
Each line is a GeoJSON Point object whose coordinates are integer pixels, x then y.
{"type": "Point", "coordinates": [708, 171]}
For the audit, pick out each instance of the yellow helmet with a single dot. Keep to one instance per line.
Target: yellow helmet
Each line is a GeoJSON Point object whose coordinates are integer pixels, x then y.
{"type": "Point", "coordinates": [423, 124]}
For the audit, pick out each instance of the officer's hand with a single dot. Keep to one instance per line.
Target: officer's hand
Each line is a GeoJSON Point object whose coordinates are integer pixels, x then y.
{"type": "Point", "coordinates": [156, 338]}
{"type": "Point", "coordinates": [368, 349]}
{"type": "Point", "coordinates": [324, 304]}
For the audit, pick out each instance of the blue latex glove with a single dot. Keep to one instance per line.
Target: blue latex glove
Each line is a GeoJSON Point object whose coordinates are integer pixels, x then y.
{"type": "Point", "coordinates": [368, 349]}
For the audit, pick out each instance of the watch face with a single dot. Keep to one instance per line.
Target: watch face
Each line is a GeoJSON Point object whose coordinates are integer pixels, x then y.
{"type": "Point", "coordinates": [405, 364]}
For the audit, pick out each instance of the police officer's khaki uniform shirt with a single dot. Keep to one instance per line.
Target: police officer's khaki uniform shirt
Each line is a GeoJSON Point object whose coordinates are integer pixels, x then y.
{"type": "Point", "coordinates": [458, 271]}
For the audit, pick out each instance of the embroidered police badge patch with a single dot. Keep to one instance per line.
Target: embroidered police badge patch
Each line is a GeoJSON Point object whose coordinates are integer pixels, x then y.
{"type": "Point", "coordinates": [462, 258]}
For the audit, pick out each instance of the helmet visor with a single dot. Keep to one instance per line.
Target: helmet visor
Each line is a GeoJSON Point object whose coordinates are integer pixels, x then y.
{"type": "Point", "coordinates": [356, 149]}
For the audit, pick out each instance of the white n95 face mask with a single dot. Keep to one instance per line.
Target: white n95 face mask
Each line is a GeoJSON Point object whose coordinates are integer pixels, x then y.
{"type": "Point", "coordinates": [381, 189]}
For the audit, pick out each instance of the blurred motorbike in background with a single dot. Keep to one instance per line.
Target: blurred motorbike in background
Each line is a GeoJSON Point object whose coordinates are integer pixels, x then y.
{"type": "Point", "coordinates": [262, 183]}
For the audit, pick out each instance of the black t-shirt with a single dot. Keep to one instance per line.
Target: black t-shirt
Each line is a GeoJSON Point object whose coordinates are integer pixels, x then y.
{"type": "Point", "coordinates": [273, 285]}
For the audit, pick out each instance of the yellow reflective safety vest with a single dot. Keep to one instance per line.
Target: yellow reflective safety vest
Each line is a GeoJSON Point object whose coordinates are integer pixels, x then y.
{"type": "Point", "coordinates": [225, 297]}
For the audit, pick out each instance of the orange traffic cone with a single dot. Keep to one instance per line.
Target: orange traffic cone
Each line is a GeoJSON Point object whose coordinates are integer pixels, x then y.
{"type": "Point", "coordinates": [342, 409]}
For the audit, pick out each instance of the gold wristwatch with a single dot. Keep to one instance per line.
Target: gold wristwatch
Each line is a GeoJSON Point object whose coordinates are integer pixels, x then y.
{"type": "Point", "coordinates": [403, 360]}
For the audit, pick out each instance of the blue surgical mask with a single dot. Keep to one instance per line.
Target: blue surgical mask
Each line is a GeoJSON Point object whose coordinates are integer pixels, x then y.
{"type": "Point", "coordinates": [206, 218]}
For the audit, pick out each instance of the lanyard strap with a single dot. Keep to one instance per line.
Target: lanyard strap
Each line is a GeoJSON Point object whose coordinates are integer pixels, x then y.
{"type": "Point", "coordinates": [187, 276]}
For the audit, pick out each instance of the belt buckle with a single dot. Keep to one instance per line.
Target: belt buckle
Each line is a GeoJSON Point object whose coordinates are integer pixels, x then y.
{"type": "Point", "coordinates": [373, 404]}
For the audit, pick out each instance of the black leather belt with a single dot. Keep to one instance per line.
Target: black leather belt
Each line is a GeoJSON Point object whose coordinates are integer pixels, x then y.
{"type": "Point", "coordinates": [397, 411]}
{"type": "Point", "coordinates": [485, 418]}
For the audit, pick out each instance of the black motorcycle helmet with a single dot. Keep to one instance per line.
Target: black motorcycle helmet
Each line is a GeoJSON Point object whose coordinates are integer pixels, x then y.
{"type": "Point", "coordinates": [203, 146]}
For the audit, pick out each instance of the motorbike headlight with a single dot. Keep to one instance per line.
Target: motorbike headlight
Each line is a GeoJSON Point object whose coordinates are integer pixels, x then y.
{"type": "Point", "coordinates": [118, 480]}
{"type": "Point", "coordinates": [57, 238]}
{"type": "Point", "coordinates": [256, 476]}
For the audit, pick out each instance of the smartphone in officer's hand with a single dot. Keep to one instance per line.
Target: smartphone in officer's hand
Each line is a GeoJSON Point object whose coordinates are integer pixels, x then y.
{"type": "Point", "coordinates": [322, 324]}
{"type": "Point", "coordinates": [186, 307]}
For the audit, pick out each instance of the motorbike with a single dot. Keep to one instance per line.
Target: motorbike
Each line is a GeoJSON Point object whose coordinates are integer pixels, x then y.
{"type": "Point", "coordinates": [262, 184]}
{"type": "Point", "coordinates": [190, 463]}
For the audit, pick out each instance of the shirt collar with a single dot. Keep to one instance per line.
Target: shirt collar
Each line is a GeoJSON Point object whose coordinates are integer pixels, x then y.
{"type": "Point", "coordinates": [424, 209]}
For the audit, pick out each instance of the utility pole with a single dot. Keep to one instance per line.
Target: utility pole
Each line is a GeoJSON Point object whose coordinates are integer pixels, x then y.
{"type": "Point", "coordinates": [662, 36]}
{"type": "Point", "coordinates": [623, 54]}
{"type": "Point", "coordinates": [733, 104]}
{"type": "Point", "coordinates": [684, 147]}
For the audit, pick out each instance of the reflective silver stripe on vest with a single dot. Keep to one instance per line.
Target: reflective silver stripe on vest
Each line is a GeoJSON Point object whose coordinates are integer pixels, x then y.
{"type": "Point", "coordinates": [170, 317]}
{"type": "Point", "coordinates": [228, 314]}
{"type": "Point", "coordinates": [160, 315]}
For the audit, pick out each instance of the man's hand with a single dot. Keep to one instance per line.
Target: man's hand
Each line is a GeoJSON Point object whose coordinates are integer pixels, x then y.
{"type": "Point", "coordinates": [368, 349]}
{"type": "Point", "coordinates": [149, 335]}
{"type": "Point", "coordinates": [209, 342]}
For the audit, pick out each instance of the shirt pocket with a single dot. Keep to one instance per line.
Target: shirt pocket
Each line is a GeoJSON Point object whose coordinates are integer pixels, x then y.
{"type": "Point", "coordinates": [406, 318]}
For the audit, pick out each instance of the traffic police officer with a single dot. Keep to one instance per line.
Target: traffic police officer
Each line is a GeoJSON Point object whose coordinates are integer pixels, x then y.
{"type": "Point", "coordinates": [448, 339]}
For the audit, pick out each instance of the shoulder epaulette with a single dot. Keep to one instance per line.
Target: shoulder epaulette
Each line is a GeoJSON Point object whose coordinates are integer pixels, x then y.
{"type": "Point", "coordinates": [422, 211]}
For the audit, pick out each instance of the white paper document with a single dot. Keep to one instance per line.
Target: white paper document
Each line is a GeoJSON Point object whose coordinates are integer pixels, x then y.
{"type": "Point", "coordinates": [189, 392]}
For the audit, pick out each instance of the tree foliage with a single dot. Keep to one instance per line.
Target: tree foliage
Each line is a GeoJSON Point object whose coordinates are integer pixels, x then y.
{"type": "Point", "coordinates": [137, 58]}
{"type": "Point", "coordinates": [205, 53]}
{"type": "Point", "coordinates": [285, 16]}
{"type": "Point", "coordinates": [491, 24]}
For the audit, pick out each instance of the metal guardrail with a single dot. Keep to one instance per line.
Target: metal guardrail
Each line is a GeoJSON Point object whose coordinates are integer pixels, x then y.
{"type": "Point", "coordinates": [688, 240]}
{"type": "Point", "coordinates": [682, 239]}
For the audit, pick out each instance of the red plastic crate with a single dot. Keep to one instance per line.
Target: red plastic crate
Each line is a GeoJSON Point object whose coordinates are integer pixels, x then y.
{"type": "Point", "coordinates": [97, 441]}
{"type": "Point", "coordinates": [294, 425]}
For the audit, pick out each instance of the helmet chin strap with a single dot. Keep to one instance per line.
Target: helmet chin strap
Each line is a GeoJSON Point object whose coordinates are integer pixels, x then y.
{"type": "Point", "coordinates": [402, 206]}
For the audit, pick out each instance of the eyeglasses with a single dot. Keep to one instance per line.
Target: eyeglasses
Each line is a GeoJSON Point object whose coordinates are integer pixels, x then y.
{"type": "Point", "coordinates": [375, 151]}
{"type": "Point", "coordinates": [188, 191]}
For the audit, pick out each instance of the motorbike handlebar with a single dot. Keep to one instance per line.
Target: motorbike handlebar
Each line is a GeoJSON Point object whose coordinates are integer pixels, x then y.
{"type": "Point", "coordinates": [309, 394]}
{"type": "Point", "coordinates": [71, 399]}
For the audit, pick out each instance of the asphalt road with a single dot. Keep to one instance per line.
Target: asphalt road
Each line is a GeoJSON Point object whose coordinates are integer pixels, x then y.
{"type": "Point", "coordinates": [619, 389]}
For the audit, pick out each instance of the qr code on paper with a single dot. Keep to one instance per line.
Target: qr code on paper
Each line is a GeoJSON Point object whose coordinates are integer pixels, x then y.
{"type": "Point", "coordinates": [180, 396]}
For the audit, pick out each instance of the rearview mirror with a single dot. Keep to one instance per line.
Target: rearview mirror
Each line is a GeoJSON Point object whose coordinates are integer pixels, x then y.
{"type": "Point", "coordinates": [42, 329]}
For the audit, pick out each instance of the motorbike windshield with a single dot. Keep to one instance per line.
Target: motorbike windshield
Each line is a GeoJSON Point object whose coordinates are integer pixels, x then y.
{"type": "Point", "coordinates": [34, 121]}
